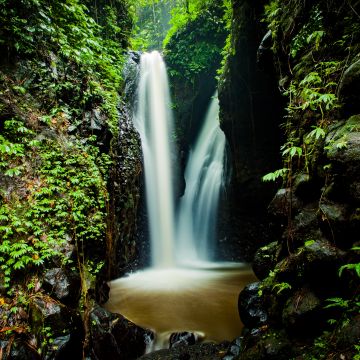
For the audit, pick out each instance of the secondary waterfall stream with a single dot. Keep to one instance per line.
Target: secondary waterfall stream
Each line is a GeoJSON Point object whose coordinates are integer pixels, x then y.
{"type": "Point", "coordinates": [183, 290]}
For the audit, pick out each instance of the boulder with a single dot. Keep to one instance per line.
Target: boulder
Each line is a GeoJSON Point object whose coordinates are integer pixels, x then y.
{"type": "Point", "coordinates": [273, 345]}
{"type": "Point", "coordinates": [283, 202]}
{"type": "Point", "coordinates": [17, 350]}
{"type": "Point", "coordinates": [58, 328]}
{"type": "Point", "coordinates": [114, 337]}
{"type": "Point", "coordinates": [349, 88]}
{"type": "Point", "coordinates": [184, 338]}
{"type": "Point", "coordinates": [348, 335]}
{"type": "Point", "coordinates": [316, 263]}
{"type": "Point", "coordinates": [334, 220]}
{"type": "Point", "coordinates": [342, 147]}
{"type": "Point", "coordinates": [62, 285]}
{"type": "Point", "coordinates": [234, 349]}
{"type": "Point", "coordinates": [303, 227]}
{"type": "Point", "coordinates": [302, 313]}
{"type": "Point", "coordinates": [265, 259]}
{"type": "Point", "coordinates": [251, 308]}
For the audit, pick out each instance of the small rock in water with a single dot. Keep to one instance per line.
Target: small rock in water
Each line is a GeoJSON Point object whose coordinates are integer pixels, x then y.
{"type": "Point", "coordinates": [184, 338]}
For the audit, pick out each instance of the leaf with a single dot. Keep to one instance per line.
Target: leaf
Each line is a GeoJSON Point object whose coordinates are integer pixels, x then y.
{"type": "Point", "coordinates": [355, 267]}
{"type": "Point", "coordinates": [317, 133]}
{"type": "Point", "coordinates": [274, 175]}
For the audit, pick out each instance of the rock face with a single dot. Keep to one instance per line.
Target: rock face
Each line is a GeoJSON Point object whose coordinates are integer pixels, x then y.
{"type": "Point", "coordinates": [57, 328]}
{"type": "Point", "coordinates": [251, 308]}
{"type": "Point", "coordinates": [250, 111]}
{"type": "Point", "coordinates": [349, 88]}
{"type": "Point", "coordinates": [64, 286]}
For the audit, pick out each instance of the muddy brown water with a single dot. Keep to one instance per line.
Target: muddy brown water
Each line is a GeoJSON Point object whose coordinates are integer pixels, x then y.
{"type": "Point", "coordinates": [172, 300]}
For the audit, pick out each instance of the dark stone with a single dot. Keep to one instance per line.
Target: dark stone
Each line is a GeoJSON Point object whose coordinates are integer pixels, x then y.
{"type": "Point", "coordinates": [62, 347]}
{"type": "Point", "coordinates": [273, 345]}
{"type": "Point", "coordinates": [203, 351]}
{"type": "Point", "coordinates": [334, 219]}
{"type": "Point", "coordinates": [251, 308]}
{"type": "Point", "coordinates": [113, 336]}
{"type": "Point", "coordinates": [303, 227]}
{"type": "Point", "coordinates": [349, 88]}
{"type": "Point", "coordinates": [306, 188]}
{"type": "Point", "coordinates": [343, 149]}
{"type": "Point", "coordinates": [184, 338]}
{"type": "Point", "coordinates": [283, 203]}
{"type": "Point", "coordinates": [316, 263]}
{"type": "Point", "coordinates": [234, 349]}
{"type": "Point", "coordinates": [348, 335]}
{"type": "Point", "coordinates": [17, 350]}
{"type": "Point", "coordinates": [65, 328]}
{"type": "Point", "coordinates": [302, 313]}
{"type": "Point", "coordinates": [265, 259]}
{"type": "Point", "coordinates": [62, 285]}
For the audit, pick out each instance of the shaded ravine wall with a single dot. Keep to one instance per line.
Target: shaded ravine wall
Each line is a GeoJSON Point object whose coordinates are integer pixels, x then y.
{"type": "Point", "coordinates": [250, 113]}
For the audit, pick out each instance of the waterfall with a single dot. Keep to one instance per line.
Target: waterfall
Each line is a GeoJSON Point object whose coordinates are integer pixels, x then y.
{"type": "Point", "coordinates": [197, 216]}
{"type": "Point", "coordinates": [153, 120]}
{"type": "Point", "coordinates": [191, 235]}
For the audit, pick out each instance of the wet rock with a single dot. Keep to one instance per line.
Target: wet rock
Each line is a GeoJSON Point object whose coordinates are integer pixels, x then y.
{"type": "Point", "coordinates": [349, 335]}
{"type": "Point", "coordinates": [265, 260]}
{"type": "Point", "coordinates": [56, 326]}
{"type": "Point", "coordinates": [273, 345]}
{"type": "Point", "coordinates": [306, 188]}
{"type": "Point", "coordinates": [184, 338]}
{"type": "Point", "coordinates": [302, 313]}
{"type": "Point", "coordinates": [251, 307]}
{"type": "Point", "coordinates": [334, 222]}
{"type": "Point", "coordinates": [349, 88]}
{"type": "Point", "coordinates": [96, 119]}
{"type": "Point", "coordinates": [316, 263]}
{"type": "Point", "coordinates": [304, 227]}
{"type": "Point", "coordinates": [17, 350]}
{"type": "Point", "coordinates": [113, 336]}
{"type": "Point", "coordinates": [343, 149]}
{"type": "Point", "coordinates": [284, 202]}
{"type": "Point", "coordinates": [62, 285]}
{"type": "Point", "coordinates": [234, 349]}
{"type": "Point", "coordinates": [203, 351]}
{"type": "Point", "coordinates": [62, 347]}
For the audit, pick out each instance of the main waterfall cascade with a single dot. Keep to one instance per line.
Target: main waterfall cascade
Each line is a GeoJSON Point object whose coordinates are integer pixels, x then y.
{"type": "Point", "coordinates": [153, 120]}
{"type": "Point", "coordinates": [178, 293]}
{"type": "Point", "coordinates": [192, 233]}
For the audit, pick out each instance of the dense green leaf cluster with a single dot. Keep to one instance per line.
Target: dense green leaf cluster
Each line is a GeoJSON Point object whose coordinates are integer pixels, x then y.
{"type": "Point", "coordinates": [312, 78]}
{"type": "Point", "coordinates": [58, 193]}
{"type": "Point", "coordinates": [71, 57]}
{"type": "Point", "coordinates": [191, 49]}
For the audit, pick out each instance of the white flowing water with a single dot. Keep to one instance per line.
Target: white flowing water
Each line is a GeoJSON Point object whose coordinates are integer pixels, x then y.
{"type": "Point", "coordinates": [153, 120]}
{"type": "Point", "coordinates": [191, 236]}
{"type": "Point", "coordinates": [197, 217]}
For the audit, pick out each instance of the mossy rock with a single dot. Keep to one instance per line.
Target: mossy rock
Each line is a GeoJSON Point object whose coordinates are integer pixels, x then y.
{"type": "Point", "coordinates": [343, 144]}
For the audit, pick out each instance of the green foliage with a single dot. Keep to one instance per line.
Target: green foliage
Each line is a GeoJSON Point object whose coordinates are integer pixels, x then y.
{"type": "Point", "coordinates": [55, 200]}
{"type": "Point", "coordinates": [191, 49]}
{"type": "Point", "coordinates": [355, 267]}
{"type": "Point", "coordinates": [275, 175]}
{"type": "Point", "coordinates": [61, 33]}
{"type": "Point", "coordinates": [337, 302]}
{"type": "Point", "coordinates": [311, 34]}
{"type": "Point", "coordinates": [281, 287]}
